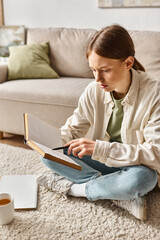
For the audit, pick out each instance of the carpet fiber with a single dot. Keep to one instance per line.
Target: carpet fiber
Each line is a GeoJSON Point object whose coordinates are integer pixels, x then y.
{"type": "Point", "coordinates": [74, 218]}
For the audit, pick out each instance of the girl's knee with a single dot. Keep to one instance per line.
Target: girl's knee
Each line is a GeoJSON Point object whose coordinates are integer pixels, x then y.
{"type": "Point", "coordinates": [143, 179]}
{"type": "Point", "coordinates": [146, 175]}
{"type": "Point", "coordinates": [44, 160]}
{"type": "Point", "coordinates": [48, 163]}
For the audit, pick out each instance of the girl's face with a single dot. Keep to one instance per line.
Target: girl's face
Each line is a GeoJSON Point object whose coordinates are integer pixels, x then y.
{"type": "Point", "coordinates": [111, 74]}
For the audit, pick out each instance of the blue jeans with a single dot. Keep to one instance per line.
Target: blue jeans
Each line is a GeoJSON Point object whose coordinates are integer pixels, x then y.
{"type": "Point", "coordinates": [105, 182]}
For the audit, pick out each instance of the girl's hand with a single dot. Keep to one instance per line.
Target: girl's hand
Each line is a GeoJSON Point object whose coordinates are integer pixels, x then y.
{"type": "Point", "coordinates": [80, 147]}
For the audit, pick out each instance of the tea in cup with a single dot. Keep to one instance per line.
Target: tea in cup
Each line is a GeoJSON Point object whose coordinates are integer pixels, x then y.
{"type": "Point", "coordinates": [4, 201]}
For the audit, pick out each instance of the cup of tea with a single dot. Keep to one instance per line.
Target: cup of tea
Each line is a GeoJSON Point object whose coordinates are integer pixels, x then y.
{"type": "Point", "coordinates": [6, 208]}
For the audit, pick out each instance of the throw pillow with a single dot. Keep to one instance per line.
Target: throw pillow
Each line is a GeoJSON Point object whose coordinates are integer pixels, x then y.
{"type": "Point", "coordinates": [29, 62]}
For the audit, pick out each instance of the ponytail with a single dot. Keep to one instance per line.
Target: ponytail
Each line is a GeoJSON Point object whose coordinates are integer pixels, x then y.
{"type": "Point", "coordinates": [138, 66]}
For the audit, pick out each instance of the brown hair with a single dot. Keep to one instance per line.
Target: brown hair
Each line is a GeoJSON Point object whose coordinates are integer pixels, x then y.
{"type": "Point", "coordinates": [114, 42]}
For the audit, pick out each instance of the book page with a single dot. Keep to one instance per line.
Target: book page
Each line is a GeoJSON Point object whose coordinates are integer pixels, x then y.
{"type": "Point", "coordinates": [43, 133]}
{"type": "Point", "coordinates": [56, 153]}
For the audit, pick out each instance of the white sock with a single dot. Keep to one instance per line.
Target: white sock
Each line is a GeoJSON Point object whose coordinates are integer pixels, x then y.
{"type": "Point", "coordinates": [77, 190]}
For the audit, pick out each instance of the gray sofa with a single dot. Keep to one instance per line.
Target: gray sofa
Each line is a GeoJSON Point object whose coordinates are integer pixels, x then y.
{"type": "Point", "coordinates": [54, 100]}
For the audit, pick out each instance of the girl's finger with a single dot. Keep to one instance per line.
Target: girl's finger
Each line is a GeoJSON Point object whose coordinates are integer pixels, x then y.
{"type": "Point", "coordinates": [76, 150]}
{"type": "Point", "coordinates": [72, 146]}
{"type": "Point", "coordinates": [81, 153]}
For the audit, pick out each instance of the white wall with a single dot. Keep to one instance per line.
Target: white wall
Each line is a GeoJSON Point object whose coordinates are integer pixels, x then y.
{"type": "Point", "coordinates": [78, 14]}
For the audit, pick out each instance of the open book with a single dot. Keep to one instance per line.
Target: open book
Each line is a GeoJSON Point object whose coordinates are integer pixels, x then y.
{"type": "Point", "coordinates": [43, 137]}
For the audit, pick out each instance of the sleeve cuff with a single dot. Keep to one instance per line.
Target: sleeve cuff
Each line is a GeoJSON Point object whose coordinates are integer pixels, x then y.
{"type": "Point", "coordinates": [100, 152]}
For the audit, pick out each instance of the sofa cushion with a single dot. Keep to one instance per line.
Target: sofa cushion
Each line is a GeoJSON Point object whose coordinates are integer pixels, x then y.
{"type": "Point", "coordinates": [67, 49]}
{"type": "Point", "coordinates": [3, 71]}
{"type": "Point", "coordinates": [147, 46]}
{"type": "Point", "coordinates": [30, 61]}
{"type": "Point", "coordinates": [60, 92]}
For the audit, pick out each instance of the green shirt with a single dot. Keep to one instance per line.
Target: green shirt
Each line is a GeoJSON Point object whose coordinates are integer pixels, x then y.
{"type": "Point", "coordinates": [114, 126]}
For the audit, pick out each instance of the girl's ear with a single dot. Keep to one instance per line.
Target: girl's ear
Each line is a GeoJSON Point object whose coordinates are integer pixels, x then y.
{"type": "Point", "coordinates": [129, 62]}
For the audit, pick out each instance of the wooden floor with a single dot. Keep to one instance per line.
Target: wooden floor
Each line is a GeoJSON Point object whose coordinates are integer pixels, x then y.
{"type": "Point", "coordinates": [14, 140]}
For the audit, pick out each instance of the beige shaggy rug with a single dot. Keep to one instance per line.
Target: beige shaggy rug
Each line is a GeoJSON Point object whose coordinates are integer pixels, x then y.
{"type": "Point", "coordinates": [74, 218]}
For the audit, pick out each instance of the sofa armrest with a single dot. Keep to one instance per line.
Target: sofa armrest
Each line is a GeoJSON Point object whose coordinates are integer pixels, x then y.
{"type": "Point", "coordinates": [3, 72]}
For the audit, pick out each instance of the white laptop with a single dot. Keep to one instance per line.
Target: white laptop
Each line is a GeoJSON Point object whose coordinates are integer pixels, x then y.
{"type": "Point", "coordinates": [23, 188]}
